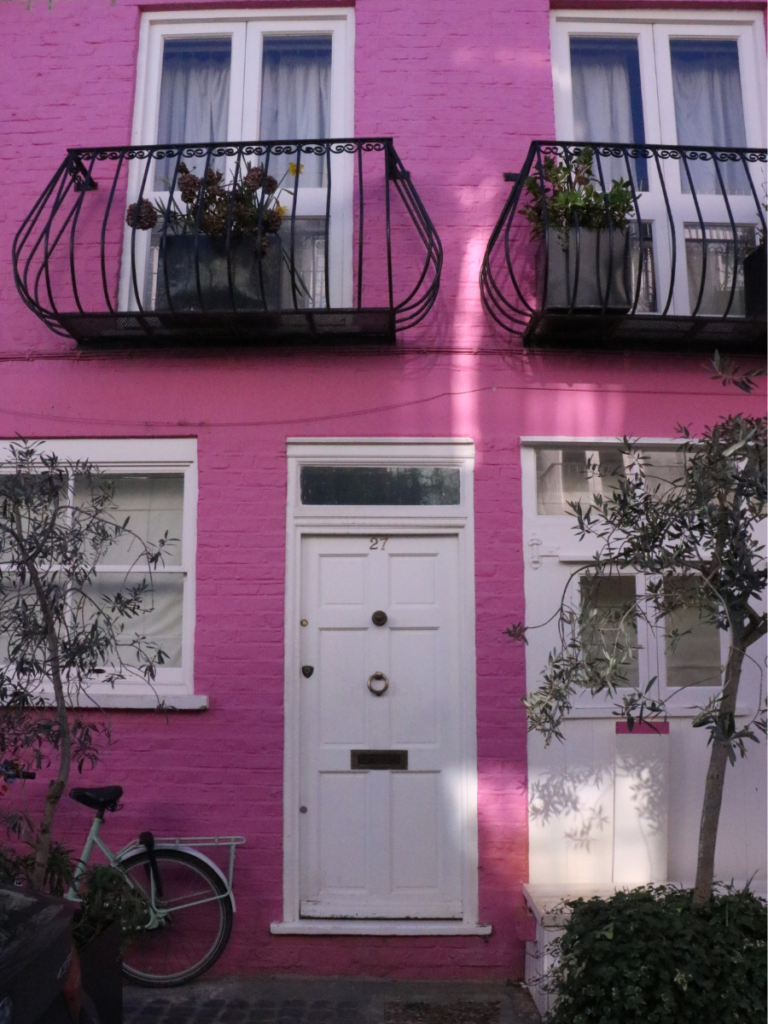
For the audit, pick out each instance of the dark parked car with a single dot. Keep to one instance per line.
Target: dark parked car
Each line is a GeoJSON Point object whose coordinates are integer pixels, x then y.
{"type": "Point", "coordinates": [39, 969]}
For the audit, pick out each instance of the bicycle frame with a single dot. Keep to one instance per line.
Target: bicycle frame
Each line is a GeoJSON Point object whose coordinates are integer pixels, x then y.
{"type": "Point", "coordinates": [187, 844]}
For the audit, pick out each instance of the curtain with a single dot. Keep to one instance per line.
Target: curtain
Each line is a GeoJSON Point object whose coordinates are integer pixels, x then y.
{"type": "Point", "coordinates": [295, 96]}
{"type": "Point", "coordinates": [194, 99]}
{"type": "Point", "coordinates": [708, 108]}
{"type": "Point", "coordinates": [607, 102]}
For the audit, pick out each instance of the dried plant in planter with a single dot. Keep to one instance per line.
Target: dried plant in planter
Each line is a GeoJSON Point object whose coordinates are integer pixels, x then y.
{"type": "Point", "coordinates": [219, 242]}
{"type": "Point", "coordinates": [247, 205]}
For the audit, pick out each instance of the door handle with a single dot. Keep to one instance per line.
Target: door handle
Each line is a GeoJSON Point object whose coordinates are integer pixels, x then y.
{"type": "Point", "coordinates": [374, 684]}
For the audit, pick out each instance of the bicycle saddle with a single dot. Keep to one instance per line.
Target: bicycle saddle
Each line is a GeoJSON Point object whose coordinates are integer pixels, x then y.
{"type": "Point", "coordinates": [98, 798]}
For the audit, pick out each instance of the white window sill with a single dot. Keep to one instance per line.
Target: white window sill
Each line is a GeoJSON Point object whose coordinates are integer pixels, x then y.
{"type": "Point", "coordinates": [146, 701]}
{"type": "Point", "coordinates": [326, 926]}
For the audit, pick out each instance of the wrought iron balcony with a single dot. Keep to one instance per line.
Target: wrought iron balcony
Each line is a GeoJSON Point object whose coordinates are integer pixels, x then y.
{"type": "Point", "coordinates": [613, 245]}
{"type": "Point", "coordinates": [312, 242]}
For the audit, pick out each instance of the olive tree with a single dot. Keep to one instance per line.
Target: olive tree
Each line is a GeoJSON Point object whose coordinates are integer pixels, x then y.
{"type": "Point", "coordinates": [697, 540]}
{"type": "Point", "coordinates": [59, 632]}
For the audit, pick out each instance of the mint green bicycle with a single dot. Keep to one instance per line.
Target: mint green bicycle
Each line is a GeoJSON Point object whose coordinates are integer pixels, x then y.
{"type": "Point", "coordinates": [190, 903]}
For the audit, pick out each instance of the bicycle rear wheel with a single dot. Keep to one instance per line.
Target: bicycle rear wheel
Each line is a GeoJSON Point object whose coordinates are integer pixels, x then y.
{"type": "Point", "coordinates": [196, 919]}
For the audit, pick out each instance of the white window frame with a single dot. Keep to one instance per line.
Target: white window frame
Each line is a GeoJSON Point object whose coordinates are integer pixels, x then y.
{"type": "Point", "coordinates": [247, 30]}
{"type": "Point", "coordinates": [146, 456]}
{"type": "Point", "coordinates": [451, 520]}
{"type": "Point", "coordinates": [552, 537]}
{"type": "Point", "coordinates": [653, 30]}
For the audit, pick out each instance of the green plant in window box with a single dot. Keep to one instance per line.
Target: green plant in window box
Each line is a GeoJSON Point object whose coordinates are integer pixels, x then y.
{"type": "Point", "coordinates": [220, 245]}
{"type": "Point", "coordinates": [584, 228]}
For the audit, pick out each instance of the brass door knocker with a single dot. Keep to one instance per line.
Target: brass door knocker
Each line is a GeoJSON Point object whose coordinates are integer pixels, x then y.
{"type": "Point", "coordinates": [378, 677]}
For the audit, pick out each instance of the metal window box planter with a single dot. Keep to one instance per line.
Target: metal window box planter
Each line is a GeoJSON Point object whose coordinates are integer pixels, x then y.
{"type": "Point", "coordinates": [584, 270]}
{"type": "Point", "coordinates": [199, 274]}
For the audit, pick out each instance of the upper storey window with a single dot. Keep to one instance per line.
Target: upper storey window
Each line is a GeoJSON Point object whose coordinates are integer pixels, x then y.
{"type": "Point", "coordinates": [674, 79]}
{"type": "Point", "coordinates": [197, 97]}
{"type": "Point", "coordinates": [678, 80]}
{"type": "Point", "coordinates": [276, 75]}
{"type": "Point", "coordinates": [272, 76]}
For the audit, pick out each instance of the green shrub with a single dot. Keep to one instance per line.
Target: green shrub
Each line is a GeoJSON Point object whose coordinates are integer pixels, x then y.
{"type": "Point", "coordinates": [648, 956]}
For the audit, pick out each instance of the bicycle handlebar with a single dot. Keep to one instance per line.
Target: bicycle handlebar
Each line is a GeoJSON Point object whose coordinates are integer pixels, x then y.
{"type": "Point", "coordinates": [10, 771]}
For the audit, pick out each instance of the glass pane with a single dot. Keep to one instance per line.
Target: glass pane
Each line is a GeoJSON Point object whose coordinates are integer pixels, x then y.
{"type": "Point", "coordinates": [303, 264]}
{"type": "Point", "coordinates": [161, 623]}
{"type": "Point", "coordinates": [154, 504]}
{"type": "Point", "coordinates": [614, 633]}
{"type": "Point", "coordinates": [194, 99]}
{"type": "Point", "coordinates": [564, 475]}
{"type": "Point", "coordinates": [716, 245]}
{"type": "Point", "coordinates": [19, 594]}
{"type": "Point", "coordinates": [641, 263]}
{"type": "Point", "coordinates": [379, 485]}
{"type": "Point", "coordinates": [708, 108]}
{"type": "Point", "coordinates": [295, 99]}
{"type": "Point", "coordinates": [607, 99]}
{"type": "Point", "coordinates": [694, 660]}
{"type": "Point", "coordinates": [664, 471]}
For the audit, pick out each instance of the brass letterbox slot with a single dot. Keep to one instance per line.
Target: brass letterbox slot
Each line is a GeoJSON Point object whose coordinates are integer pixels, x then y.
{"type": "Point", "coordinates": [379, 760]}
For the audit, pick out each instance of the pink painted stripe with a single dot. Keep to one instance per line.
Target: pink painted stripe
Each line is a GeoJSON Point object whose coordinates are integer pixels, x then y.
{"type": "Point", "coordinates": [643, 728]}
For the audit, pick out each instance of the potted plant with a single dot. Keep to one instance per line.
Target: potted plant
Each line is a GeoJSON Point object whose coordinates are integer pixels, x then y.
{"type": "Point", "coordinates": [220, 248]}
{"type": "Point", "coordinates": [109, 913]}
{"type": "Point", "coordinates": [585, 264]}
{"type": "Point", "coordinates": [105, 917]}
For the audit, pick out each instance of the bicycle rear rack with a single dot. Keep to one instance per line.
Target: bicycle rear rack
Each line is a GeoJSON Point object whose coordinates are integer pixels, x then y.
{"type": "Point", "coordinates": [194, 841]}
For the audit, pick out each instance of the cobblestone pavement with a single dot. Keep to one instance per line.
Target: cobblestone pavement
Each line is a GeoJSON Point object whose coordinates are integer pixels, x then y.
{"type": "Point", "coordinates": [329, 1001]}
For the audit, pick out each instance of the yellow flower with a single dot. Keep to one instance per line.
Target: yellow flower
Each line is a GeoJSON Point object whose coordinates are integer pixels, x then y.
{"type": "Point", "coordinates": [293, 169]}
{"type": "Point", "coordinates": [282, 210]}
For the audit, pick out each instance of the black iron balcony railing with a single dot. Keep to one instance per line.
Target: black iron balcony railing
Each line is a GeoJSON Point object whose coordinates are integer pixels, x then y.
{"type": "Point", "coordinates": [614, 245]}
{"type": "Point", "coordinates": [256, 243]}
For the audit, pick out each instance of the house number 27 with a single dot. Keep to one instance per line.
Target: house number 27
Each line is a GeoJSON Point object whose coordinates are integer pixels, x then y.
{"type": "Point", "coordinates": [378, 543]}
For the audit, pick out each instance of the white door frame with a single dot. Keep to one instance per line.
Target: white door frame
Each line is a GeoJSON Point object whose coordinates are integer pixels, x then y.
{"type": "Point", "coordinates": [446, 520]}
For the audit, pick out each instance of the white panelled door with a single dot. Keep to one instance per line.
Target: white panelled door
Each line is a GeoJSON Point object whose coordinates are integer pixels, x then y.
{"type": "Point", "coordinates": [380, 843]}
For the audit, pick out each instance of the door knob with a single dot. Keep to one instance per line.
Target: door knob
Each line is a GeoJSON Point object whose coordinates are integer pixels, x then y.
{"type": "Point", "coordinates": [378, 684]}
{"type": "Point", "coordinates": [379, 618]}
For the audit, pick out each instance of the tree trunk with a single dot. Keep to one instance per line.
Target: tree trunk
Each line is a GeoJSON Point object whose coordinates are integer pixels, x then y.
{"type": "Point", "coordinates": [42, 844]}
{"type": "Point", "coordinates": [713, 788]}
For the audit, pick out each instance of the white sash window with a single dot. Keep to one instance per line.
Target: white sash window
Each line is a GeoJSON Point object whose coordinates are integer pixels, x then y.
{"type": "Point", "coordinates": [671, 78]}
{"type": "Point", "coordinates": [264, 76]}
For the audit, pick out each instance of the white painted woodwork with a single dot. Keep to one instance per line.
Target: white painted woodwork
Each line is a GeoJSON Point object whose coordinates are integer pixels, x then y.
{"type": "Point", "coordinates": [641, 808]}
{"type": "Point", "coordinates": [380, 844]}
{"type": "Point", "coordinates": [607, 809]}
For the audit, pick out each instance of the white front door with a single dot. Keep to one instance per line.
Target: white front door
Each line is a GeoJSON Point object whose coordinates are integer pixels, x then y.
{"type": "Point", "coordinates": [380, 842]}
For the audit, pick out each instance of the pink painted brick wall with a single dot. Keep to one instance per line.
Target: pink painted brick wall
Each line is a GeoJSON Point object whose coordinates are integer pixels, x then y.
{"type": "Point", "coordinates": [463, 89]}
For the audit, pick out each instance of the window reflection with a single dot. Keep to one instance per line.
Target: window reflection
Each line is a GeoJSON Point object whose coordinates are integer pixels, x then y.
{"type": "Point", "coordinates": [379, 485]}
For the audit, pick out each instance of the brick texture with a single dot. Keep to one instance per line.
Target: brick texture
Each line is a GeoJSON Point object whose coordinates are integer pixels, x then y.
{"type": "Point", "coordinates": [463, 88]}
